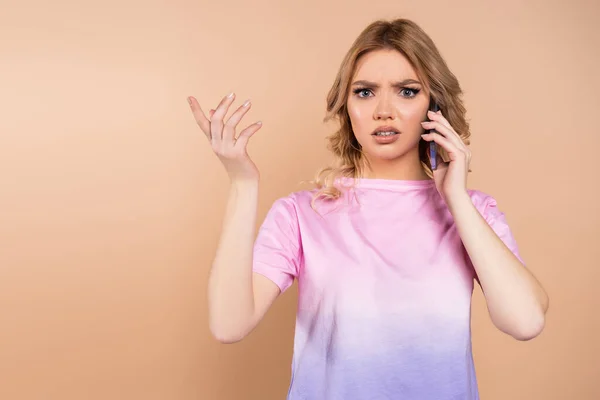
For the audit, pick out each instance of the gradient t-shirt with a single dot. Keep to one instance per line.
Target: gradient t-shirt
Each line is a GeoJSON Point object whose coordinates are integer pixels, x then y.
{"type": "Point", "coordinates": [384, 291]}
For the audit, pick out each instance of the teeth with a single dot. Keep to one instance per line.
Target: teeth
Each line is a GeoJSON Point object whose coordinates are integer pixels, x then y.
{"type": "Point", "coordinates": [385, 133]}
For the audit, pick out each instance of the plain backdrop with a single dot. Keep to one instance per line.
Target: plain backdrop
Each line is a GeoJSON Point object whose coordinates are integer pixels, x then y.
{"type": "Point", "coordinates": [111, 200]}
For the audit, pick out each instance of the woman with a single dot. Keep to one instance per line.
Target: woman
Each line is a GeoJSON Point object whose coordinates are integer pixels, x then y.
{"type": "Point", "coordinates": [385, 250]}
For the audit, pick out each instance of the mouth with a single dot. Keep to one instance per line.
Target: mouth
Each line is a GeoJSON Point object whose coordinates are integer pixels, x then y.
{"type": "Point", "coordinates": [385, 131]}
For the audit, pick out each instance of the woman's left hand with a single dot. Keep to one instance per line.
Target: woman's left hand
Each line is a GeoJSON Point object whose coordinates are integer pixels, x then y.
{"type": "Point", "coordinates": [450, 177]}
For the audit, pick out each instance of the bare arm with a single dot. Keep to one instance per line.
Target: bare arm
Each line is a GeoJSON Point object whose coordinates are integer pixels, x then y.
{"type": "Point", "coordinates": [237, 298]}
{"type": "Point", "coordinates": [516, 301]}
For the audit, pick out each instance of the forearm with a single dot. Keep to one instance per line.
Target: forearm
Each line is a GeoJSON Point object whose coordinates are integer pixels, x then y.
{"type": "Point", "coordinates": [231, 298]}
{"type": "Point", "coordinates": [516, 301]}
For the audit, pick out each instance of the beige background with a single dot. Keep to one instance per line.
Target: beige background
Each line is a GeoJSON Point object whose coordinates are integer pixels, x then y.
{"type": "Point", "coordinates": [111, 200]}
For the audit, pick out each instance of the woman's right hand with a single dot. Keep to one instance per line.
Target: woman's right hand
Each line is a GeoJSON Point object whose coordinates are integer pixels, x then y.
{"type": "Point", "coordinates": [230, 149]}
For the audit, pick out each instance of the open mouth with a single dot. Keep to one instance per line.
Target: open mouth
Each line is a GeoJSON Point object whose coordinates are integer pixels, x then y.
{"type": "Point", "coordinates": [390, 133]}
{"type": "Point", "coordinates": [385, 131]}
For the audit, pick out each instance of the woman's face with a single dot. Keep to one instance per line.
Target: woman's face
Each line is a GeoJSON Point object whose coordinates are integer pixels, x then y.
{"type": "Point", "coordinates": [386, 95]}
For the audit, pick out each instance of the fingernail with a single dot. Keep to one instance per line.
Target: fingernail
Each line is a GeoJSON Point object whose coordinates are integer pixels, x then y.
{"type": "Point", "coordinates": [247, 103]}
{"type": "Point", "coordinates": [189, 101]}
{"type": "Point", "coordinates": [230, 95]}
{"type": "Point", "coordinates": [259, 123]}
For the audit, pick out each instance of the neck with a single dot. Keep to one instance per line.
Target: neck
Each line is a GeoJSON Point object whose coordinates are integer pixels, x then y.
{"type": "Point", "coordinates": [407, 167]}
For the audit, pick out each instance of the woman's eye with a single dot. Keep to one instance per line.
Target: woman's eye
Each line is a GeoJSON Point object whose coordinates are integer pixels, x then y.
{"type": "Point", "coordinates": [407, 92]}
{"type": "Point", "coordinates": [363, 92]}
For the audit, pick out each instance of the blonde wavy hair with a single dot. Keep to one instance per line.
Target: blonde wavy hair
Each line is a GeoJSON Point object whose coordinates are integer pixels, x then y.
{"type": "Point", "coordinates": [411, 41]}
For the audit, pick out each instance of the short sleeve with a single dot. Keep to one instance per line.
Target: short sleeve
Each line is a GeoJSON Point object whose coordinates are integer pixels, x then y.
{"type": "Point", "coordinates": [277, 249]}
{"type": "Point", "coordinates": [488, 208]}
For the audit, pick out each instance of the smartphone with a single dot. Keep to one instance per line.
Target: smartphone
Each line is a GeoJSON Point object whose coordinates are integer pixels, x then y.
{"type": "Point", "coordinates": [433, 106]}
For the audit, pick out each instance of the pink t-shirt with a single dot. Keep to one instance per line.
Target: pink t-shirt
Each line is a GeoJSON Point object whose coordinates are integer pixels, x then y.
{"type": "Point", "coordinates": [384, 291]}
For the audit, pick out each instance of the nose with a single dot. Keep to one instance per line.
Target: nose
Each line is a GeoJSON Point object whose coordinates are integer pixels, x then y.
{"type": "Point", "coordinates": [384, 109]}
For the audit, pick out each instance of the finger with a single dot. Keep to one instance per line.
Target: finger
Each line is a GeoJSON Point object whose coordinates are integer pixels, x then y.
{"type": "Point", "coordinates": [438, 116]}
{"type": "Point", "coordinates": [450, 134]}
{"type": "Point", "coordinates": [459, 140]}
{"type": "Point", "coordinates": [216, 121]}
{"type": "Point", "coordinates": [234, 120]}
{"type": "Point", "coordinates": [247, 133]}
{"type": "Point", "coordinates": [199, 116]}
{"type": "Point", "coordinates": [453, 151]}
{"type": "Point", "coordinates": [444, 131]}
{"type": "Point", "coordinates": [210, 114]}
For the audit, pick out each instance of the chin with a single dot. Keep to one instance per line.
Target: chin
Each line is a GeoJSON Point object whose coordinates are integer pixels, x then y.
{"type": "Point", "coordinates": [386, 152]}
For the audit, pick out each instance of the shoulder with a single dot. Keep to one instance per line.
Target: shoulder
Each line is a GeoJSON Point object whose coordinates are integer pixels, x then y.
{"type": "Point", "coordinates": [293, 203]}
{"type": "Point", "coordinates": [285, 216]}
{"type": "Point", "coordinates": [481, 199]}
{"type": "Point", "coordinates": [486, 204]}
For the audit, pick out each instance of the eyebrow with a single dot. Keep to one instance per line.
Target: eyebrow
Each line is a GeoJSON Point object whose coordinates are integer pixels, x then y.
{"type": "Point", "coordinates": [395, 84]}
